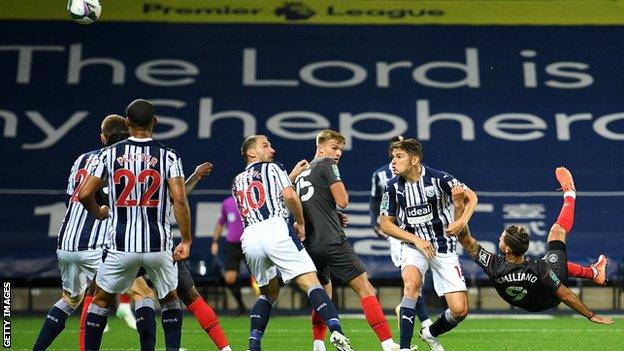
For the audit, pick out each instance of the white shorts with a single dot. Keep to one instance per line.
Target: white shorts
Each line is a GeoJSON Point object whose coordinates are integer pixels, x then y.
{"type": "Point", "coordinates": [268, 247]}
{"type": "Point", "coordinates": [395, 250]}
{"type": "Point", "coordinates": [78, 269]}
{"type": "Point", "coordinates": [445, 269]}
{"type": "Point", "coordinates": [119, 269]}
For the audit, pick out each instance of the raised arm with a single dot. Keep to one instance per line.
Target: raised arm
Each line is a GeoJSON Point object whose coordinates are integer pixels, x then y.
{"type": "Point", "coordinates": [471, 245]}
{"type": "Point", "coordinates": [299, 167]}
{"type": "Point", "coordinates": [200, 173]}
{"type": "Point", "coordinates": [469, 203]}
{"type": "Point", "coordinates": [572, 301]}
{"type": "Point", "coordinates": [183, 216]}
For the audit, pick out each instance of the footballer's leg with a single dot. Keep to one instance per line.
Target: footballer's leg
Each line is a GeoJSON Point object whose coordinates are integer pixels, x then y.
{"type": "Point", "coordinates": [320, 301]}
{"type": "Point", "coordinates": [565, 221]}
{"type": "Point", "coordinates": [372, 310]}
{"type": "Point", "coordinates": [596, 271]}
{"type": "Point", "coordinates": [204, 314]}
{"type": "Point", "coordinates": [261, 311]}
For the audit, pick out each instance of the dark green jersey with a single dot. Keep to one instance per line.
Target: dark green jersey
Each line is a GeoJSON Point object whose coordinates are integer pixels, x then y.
{"type": "Point", "coordinates": [322, 223]}
{"type": "Point", "coordinates": [530, 285]}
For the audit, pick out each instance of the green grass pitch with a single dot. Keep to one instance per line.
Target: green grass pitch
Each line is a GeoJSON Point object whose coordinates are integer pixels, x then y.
{"type": "Point", "coordinates": [293, 334]}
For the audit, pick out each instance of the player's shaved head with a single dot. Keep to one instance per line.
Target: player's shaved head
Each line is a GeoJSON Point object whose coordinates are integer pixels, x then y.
{"type": "Point", "coordinates": [250, 143]}
{"type": "Point", "coordinates": [412, 147]}
{"type": "Point", "coordinates": [517, 239]}
{"type": "Point", "coordinates": [328, 134]}
{"type": "Point", "coordinates": [140, 113]}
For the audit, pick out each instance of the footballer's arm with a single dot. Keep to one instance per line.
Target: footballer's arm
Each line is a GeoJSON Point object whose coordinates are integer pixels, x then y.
{"type": "Point", "coordinates": [86, 196]}
{"type": "Point", "coordinates": [389, 227]}
{"type": "Point", "coordinates": [200, 173]}
{"type": "Point", "coordinates": [183, 217]}
{"type": "Point", "coordinates": [293, 203]}
{"type": "Point", "coordinates": [572, 301]}
{"type": "Point", "coordinates": [339, 193]}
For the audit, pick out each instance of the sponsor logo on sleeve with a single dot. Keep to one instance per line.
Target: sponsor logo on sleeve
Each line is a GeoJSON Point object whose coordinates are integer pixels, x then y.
{"type": "Point", "coordinates": [484, 257]}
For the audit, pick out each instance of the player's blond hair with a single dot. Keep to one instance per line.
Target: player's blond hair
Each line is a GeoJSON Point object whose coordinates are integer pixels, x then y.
{"type": "Point", "coordinates": [328, 134]}
{"type": "Point", "coordinates": [114, 124]}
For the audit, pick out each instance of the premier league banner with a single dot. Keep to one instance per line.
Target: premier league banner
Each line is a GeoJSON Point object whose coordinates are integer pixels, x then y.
{"type": "Point", "coordinates": [498, 107]}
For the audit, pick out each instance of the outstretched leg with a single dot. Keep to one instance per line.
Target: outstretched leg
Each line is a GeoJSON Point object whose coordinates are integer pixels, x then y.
{"type": "Point", "coordinates": [596, 271]}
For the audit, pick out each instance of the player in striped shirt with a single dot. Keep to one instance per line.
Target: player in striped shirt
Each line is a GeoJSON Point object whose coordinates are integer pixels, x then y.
{"type": "Point", "coordinates": [144, 177]}
{"type": "Point", "coordinates": [379, 180]}
{"type": "Point", "coordinates": [264, 196]}
{"type": "Point", "coordinates": [417, 209]}
{"type": "Point", "coordinates": [79, 246]}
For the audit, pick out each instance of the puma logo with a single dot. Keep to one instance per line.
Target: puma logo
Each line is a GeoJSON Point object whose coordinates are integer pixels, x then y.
{"type": "Point", "coordinates": [410, 319]}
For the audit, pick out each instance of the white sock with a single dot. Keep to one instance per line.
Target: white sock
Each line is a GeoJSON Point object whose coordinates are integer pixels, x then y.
{"type": "Point", "coordinates": [570, 193]}
{"type": "Point", "coordinates": [595, 270]}
{"type": "Point", "coordinates": [388, 344]}
{"type": "Point", "coordinates": [427, 333]}
{"type": "Point", "coordinates": [427, 322]}
{"type": "Point", "coordinates": [227, 348]}
{"type": "Point", "coordinates": [318, 345]}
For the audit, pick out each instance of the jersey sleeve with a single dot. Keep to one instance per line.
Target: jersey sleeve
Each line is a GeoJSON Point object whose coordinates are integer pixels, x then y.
{"type": "Point", "coordinates": [72, 175]}
{"type": "Point", "coordinates": [330, 172]}
{"type": "Point", "coordinates": [175, 165]}
{"type": "Point", "coordinates": [377, 189]}
{"type": "Point", "coordinates": [549, 278]}
{"type": "Point", "coordinates": [488, 261]}
{"type": "Point", "coordinates": [388, 204]}
{"type": "Point", "coordinates": [279, 175]}
{"type": "Point", "coordinates": [97, 166]}
{"type": "Point", "coordinates": [448, 182]}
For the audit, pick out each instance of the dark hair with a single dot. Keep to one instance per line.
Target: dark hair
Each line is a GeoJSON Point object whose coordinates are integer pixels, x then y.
{"type": "Point", "coordinates": [413, 147]}
{"type": "Point", "coordinates": [517, 239]}
{"type": "Point", "coordinates": [140, 112]}
{"type": "Point", "coordinates": [392, 141]}
{"type": "Point", "coordinates": [249, 143]}
{"type": "Point", "coordinates": [117, 137]}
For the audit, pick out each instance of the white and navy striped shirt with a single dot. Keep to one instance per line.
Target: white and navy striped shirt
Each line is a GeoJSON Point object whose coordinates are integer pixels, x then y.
{"type": "Point", "coordinates": [380, 179]}
{"type": "Point", "coordinates": [258, 192]}
{"type": "Point", "coordinates": [137, 172]}
{"type": "Point", "coordinates": [80, 230]}
{"type": "Point", "coordinates": [424, 208]}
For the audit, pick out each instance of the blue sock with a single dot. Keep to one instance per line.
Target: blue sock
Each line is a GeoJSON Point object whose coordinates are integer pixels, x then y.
{"type": "Point", "coordinates": [172, 324]}
{"type": "Point", "coordinates": [53, 325]}
{"type": "Point", "coordinates": [96, 322]}
{"type": "Point", "coordinates": [320, 301]}
{"type": "Point", "coordinates": [421, 309]}
{"type": "Point", "coordinates": [145, 314]}
{"type": "Point", "coordinates": [259, 318]}
{"type": "Point", "coordinates": [407, 313]}
{"type": "Point", "coordinates": [444, 323]}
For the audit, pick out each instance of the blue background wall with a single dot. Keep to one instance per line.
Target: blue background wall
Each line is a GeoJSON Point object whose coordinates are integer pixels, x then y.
{"type": "Point", "coordinates": [499, 98]}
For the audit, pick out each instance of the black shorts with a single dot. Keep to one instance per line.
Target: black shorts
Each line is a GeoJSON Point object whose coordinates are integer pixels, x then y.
{"type": "Point", "coordinates": [185, 280]}
{"type": "Point", "coordinates": [339, 259]}
{"type": "Point", "coordinates": [233, 256]}
{"type": "Point", "coordinates": [557, 259]}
